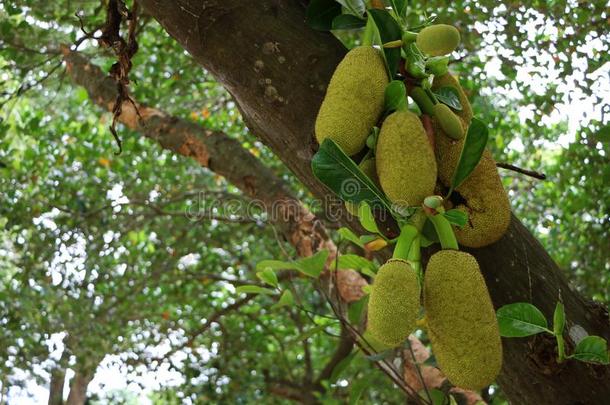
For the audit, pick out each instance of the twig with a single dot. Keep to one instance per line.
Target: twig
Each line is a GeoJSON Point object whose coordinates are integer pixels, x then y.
{"type": "Point", "coordinates": [531, 173]}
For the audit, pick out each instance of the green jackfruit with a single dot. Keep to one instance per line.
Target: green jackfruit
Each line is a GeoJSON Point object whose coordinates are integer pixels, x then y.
{"type": "Point", "coordinates": [354, 100]}
{"type": "Point", "coordinates": [405, 160]}
{"type": "Point", "coordinates": [461, 320]}
{"type": "Point", "coordinates": [448, 121]}
{"type": "Point", "coordinates": [422, 100]}
{"type": "Point", "coordinates": [486, 201]}
{"type": "Point", "coordinates": [394, 302]}
{"type": "Point", "coordinates": [438, 40]}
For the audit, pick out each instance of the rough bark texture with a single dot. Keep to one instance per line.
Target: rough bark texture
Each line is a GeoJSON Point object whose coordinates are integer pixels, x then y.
{"type": "Point", "coordinates": [56, 387]}
{"type": "Point", "coordinates": [277, 70]}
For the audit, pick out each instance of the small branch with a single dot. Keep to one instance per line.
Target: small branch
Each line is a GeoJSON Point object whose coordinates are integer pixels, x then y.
{"type": "Point", "coordinates": [531, 173]}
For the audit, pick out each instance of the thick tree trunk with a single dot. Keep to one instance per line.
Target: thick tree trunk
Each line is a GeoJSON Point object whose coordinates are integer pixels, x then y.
{"type": "Point", "coordinates": [277, 70]}
{"type": "Point", "coordinates": [78, 387]}
{"type": "Point", "coordinates": [56, 387]}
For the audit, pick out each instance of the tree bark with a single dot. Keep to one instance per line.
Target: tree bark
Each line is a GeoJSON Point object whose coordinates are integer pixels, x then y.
{"type": "Point", "coordinates": [56, 387]}
{"type": "Point", "coordinates": [277, 70]}
{"type": "Point", "coordinates": [78, 387]}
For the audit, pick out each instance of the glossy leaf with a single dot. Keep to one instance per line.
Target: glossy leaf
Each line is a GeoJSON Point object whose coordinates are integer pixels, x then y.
{"type": "Point", "coordinates": [449, 95]}
{"type": "Point", "coordinates": [396, 96]}
{"type": "Point", "coordinates": [456, 217]}
{"type": "Point", "coordinates": [474, 145]}
{"type": "Point", "coordinates": [253, 289]}
{"type": "Point", "coordinates": [592, 349]}
{"type": "Point", "coordinates": [347, 22]}
{"type": "Point", "coordinates": [321, 13]}
{"type": "Point", "coordinates": [521, 319]}
{"type": "Point", "coordinates": [389, 30]}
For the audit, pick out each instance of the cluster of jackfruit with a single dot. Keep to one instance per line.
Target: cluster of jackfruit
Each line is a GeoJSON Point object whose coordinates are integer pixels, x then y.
{"type": "Point", "coordinates": [408, 165]}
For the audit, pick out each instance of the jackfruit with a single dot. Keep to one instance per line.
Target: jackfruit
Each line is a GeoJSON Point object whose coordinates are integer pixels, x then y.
{"type": "Point", "coordinates": [405, 160]}
{"type": "Point", "coordinates": [461, 321]}
{"type": "Point", "coordinates": [354, 100]}
{"type": "Point", "coordinates": [448, 121]}
{"type": "Point", "coordinates": [486, 202]}
{"type": "Point", "coordinates": [394, 302]}
{"type": "Point", "coordinates": [422, 100]}
{"type": "Point", "coordinates": [438, 40]}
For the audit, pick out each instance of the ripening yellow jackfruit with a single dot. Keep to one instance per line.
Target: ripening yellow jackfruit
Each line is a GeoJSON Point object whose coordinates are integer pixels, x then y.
{"type": "Point", "coordinates": [486, 202]}
{"type": "Point", "coordinates": [461, 320]}
{"type": "Point", "coordinates": [438, 40]}
{"type": "Point", "coordinates": [394, 302]}
{"type": "Point", "coordinates": [354, 100]}
{"type": "Point", "coordinates": [405, 160]}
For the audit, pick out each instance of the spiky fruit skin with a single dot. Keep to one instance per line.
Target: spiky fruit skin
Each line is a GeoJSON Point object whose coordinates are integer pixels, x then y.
{"type": "Point", "coordinates": [354, 100]}
{"type": "Point", "coordinates": [438, 40]}
{"type": "Point", "coordinates": [486, 204]}
{"type": "Point", "coordinates": [406, 166]}
{"type": "Point", "coordinates": [394, 303]}
{"type": "Point", "coordinates": [451, 123]}
{"type": "Point", "coordinates": [461, 321]}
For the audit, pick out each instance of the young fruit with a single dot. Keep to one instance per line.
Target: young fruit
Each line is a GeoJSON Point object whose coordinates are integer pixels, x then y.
{"type": "Point", "coordinates": [394, 303]}
{"type": "Point", "coordinates": [461, 320]}
{"type": "Point", "coordinates": [405, 160]}
{"type": "Point", "coordinates": [438, 40]}
{"type": "Point", "coordinates": [422, 100]}
{"type": "Point", "coordinates": [354, 100]}
{"type": "Point", "coordinates": [448, 121]}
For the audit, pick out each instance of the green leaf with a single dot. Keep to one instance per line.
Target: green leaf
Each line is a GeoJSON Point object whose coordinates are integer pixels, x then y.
{"type": "Point", "coordinates": [521, 319]}
{"type": "Point", "coordinates": [456, 217]}
{"type": "Point", "coordinates": [357, 389]}
{"type": "Point", "coordinates": [356, 262]}
{"type": "Point", "coordinates": [592, 349]}
{"type": "Point", "coordinates": [309, 333]}
{"type": "Point", "coordinates": [356, 310]}
{"type": "Point", "coordinates": [437, 396]}
{"type": "Point", "coordinates": [341, 366]}
{"type": "Point", "coordinates": [396, 96]}
{"type": "Point", "coordinates": [603, 134]}
{"type": "Point", "coordinates": [347, 234]}
{"type": "Point", "coordinates": [286, 300]}
{"type": "Point", "coordinates": [389, 30]}
{"type": "Point", "coordinates": [367, 220]}
{"type": "Point", "coordinates": [559, 319]}
{"type": "Point", "coordinates": [321, 13]}
{"type": "Point", "coordinates": [253, 289]}
{"type": "Point", "coordinates": [268, 276]}
{"type": "Point", "coordinates": [275, 265]}
{"type": "Point", "coordinates": [474, 145]}
{"type": "Point", "coordinates": [347, 22]}
{"type": "Point", "coordinates": [312, 266]}
{"type": "Point", "coordinates": [399, 7]}
{"type": "Point", "coordinates": [450, 96]}
{"type": "Point", "coordinates": [354, 7]}
{"type": "Point", "coordinates": [340, 174]}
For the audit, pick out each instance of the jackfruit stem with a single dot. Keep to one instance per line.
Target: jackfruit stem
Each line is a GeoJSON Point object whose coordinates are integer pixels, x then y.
{"type": "Point", "coordinates": [561, 351]}
{"type": "Point", "coordinates": [408, 233]}
{"type": "Point", "coordinates": [431, 95]}
{"type": "Point", "coordinates": [422, 323]}
{"type": "Point", "coordinates": [409, 37]}
{"type": "Point", "coordinates": [443, 229]}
